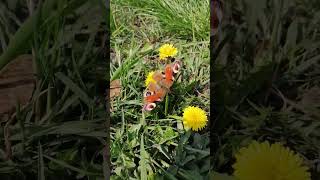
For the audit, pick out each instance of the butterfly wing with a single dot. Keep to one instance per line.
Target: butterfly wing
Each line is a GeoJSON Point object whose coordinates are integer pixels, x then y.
{"type": "Point", "coordinates": [163, 81]}
{"type": "Point", "coordinates": [154, 93]}
{"type": "Point", "coordinates": [168, 77]}
{"type": "Point", "coordinates": [169, 72]}
{"type": "Point", "coordinates": [176, 66]}
{"type": "Point", "coordinates": [158, 76]}
{"type": "Point", "coordinates": [155, 96]}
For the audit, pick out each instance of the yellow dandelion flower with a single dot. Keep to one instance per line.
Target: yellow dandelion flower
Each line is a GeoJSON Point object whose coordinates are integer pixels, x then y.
{"type": "Point", "coordinates": [194, 118]}
{"type": "Point", "coordinates": [167, 50]}
{"type": "Point", "coordinates": [265, 162]}
{"type": "Point", "coordinates": [149, 78]}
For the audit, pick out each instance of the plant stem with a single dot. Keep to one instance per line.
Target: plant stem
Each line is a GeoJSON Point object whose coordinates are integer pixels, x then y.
{"type": "Point", "coordinates": [143, 120]}
{"type": "Point", "coordinates": [166, 105]}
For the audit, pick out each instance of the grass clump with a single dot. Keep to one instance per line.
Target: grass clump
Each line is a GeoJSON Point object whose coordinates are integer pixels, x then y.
{"type": "Point", "coordinates": [61, 125]}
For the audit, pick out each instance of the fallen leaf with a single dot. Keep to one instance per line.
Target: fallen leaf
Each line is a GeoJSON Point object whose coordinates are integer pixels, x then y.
{"type": "Point", "coordinates": [16, 83]}
{"type": "Point", "coordinates": [115, 88]}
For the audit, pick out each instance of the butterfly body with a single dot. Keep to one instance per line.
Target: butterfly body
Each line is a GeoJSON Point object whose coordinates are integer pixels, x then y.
{"type": "Point", "coordinates": [157, 90]}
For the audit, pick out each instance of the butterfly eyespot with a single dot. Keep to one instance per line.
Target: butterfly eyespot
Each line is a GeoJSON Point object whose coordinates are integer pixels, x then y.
{"type": "Point", "coordinates": [176, 68]}
{"type": "Point", "coordinates": [149, 107]}
{"type": "Point", "coordinates": [163, 74]}
{"type": "Point", "coordinates": [147, 93]}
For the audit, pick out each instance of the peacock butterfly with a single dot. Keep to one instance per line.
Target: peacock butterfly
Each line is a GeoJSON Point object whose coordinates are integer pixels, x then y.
{"type": "Point", "coordinates": [156, 91]}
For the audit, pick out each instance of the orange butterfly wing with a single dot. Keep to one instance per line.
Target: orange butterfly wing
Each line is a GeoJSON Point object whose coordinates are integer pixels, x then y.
{"type": "Point", "coordinates": [157, 76]}
{"type": "Point", "coordinates": [167, 77]}
{"type": "Point", "coordinates": [154, 93]}
{"type": "Point", "coordinates": [164, 80]}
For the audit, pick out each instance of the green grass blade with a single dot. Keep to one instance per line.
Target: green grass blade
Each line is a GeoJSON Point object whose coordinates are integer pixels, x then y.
{"type": "Point", "coordinates": [143, 165]}
{"type": "Point", "coordinates": [41, 175]}
{"type": "Point", "coordinates": [73, 168]}
{"type": "Point", "coordinates": [73, 87]}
